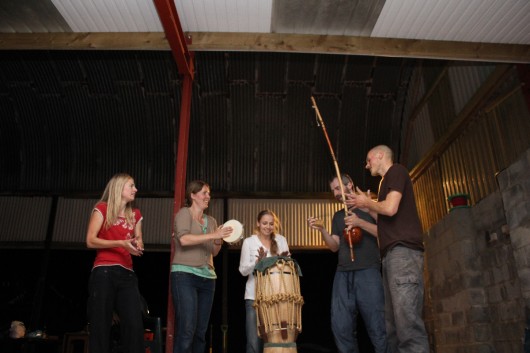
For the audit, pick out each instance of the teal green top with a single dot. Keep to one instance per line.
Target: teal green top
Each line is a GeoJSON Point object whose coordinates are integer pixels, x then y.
{"type": "Point", "coordinates": [205, 271]}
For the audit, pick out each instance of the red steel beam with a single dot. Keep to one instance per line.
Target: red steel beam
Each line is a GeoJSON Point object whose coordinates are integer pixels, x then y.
{"type": "Point", "coordinates": [178, 42]}
{"type": "Point", "coordinates": [180, 186]}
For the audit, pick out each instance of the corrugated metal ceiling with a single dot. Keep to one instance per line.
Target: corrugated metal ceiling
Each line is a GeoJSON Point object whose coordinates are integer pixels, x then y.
{"type": "Point", "coordinates": [249, 110]}
{"type": "Point", "coordinates": [486, 21]}
{"type": "Point", "coordinates": [71, 120]}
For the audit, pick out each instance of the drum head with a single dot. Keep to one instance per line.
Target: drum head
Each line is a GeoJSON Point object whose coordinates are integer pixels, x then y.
{"type": "Point", "coordinates": [237, 231]}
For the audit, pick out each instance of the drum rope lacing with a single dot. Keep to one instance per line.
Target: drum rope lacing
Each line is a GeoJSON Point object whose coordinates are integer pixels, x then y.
{"type": "Point", "coordinates": [278, 298]}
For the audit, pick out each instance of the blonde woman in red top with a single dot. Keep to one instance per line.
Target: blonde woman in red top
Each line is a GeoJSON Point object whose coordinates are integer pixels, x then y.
{"type": "Point", "coordinates": [115, 231]}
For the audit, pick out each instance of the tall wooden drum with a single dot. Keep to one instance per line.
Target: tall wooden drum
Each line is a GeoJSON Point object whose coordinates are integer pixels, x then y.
{"type": "Point", "coordinates": [278, 303]}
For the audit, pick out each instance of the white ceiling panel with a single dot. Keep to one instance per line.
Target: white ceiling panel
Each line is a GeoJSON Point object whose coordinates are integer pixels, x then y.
{"type": "Point", "coordinates": [74, 14]}
{"type": "Point", "coordinates": [487, 21]}
{"type": "Point", "coordinates": [491, 22]}
{"type": "Point", "coordinates": [109, 15]}
{"type": "Point", "coordinates": [225, 15]}
{"type": "Point", "coordinates": [211, 13]}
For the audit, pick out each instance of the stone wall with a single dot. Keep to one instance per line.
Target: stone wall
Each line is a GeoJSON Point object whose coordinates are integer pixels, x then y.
{"type": "Point", "coordinates": [477, 264]}
{"type": "Point", "coordinates": [514, 185]}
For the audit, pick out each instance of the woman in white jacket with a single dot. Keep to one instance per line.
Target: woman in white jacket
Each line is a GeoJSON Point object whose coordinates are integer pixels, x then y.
{"type": "Point", "coordinates": [264, 243]}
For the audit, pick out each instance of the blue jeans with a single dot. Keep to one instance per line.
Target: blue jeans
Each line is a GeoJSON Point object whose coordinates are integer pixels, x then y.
{"type": "Point", "coordinates": [403, 282]}
{"type": "Point", "coordinates": [527, 335]}
{"type": "Point", "coordinates": [354, 292]}
{"type": "Point", "coordinates": [254, 343]}
{"type": "Point", "coordinates": [113, 288]}
{"type": "Point", "coordinates": [193, 299]}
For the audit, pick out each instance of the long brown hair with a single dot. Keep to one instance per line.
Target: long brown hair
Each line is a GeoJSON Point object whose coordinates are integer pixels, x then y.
{"type": "Point", "coordinates": [277, 228]}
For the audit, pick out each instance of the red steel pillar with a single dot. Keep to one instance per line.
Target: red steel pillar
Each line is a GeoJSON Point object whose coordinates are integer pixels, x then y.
{"type": "Point", "coordinates": [168, 15]}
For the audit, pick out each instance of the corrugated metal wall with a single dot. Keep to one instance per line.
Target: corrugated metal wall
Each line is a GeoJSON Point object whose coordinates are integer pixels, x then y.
{"type": "Point", "coordinates": [157, 226]}
{"type": "Point", "coordinates": [496, 134]}
{"type": "Point", "coordinates": [494, 137]}
{"type": "Point", "coordinates": [71, 220]}
{"type": "Point", "coordinates": [24, 219]}
{"type": "Point", "coordinates": [293, 216]}
{"type": "Point", "coordinates": [72, 216]}
{"type": "Point", "coordinates": [67, 115]}
{"type": "Point", "coordinates": [465, 79]}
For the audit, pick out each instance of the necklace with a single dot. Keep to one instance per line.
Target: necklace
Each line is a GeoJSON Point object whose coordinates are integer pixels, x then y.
{"type": "Point", "coordinates": [205, 225]}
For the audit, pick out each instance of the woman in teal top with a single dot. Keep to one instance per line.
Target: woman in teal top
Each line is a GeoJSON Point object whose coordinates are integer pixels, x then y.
{"type": "Point", "coordinates": [197, 239]}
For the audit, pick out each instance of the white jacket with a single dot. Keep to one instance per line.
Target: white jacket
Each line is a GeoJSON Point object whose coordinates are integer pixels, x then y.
{"type": "Point", "coordinates": [249, 253]}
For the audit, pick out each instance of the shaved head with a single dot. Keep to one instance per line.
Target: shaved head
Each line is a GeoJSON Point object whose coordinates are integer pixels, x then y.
{"type": "Point", "coordinates": [379, 159]}
{"type": "Point", "coordinates": [385, 150]}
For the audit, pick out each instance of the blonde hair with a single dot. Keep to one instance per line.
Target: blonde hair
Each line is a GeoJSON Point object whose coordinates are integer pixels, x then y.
{"type": "Point", "coordinates": [277, 228]}
{"type": "Point", "coordinates": [112, 196]}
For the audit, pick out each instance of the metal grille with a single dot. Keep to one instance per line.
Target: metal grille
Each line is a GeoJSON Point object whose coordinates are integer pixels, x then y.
{"type": "Point", "coordinates": [293, 215]}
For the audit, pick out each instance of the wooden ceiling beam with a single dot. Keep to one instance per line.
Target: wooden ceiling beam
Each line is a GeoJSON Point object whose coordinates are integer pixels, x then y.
{"type": "Point", "coordinates": [273, 42]}
{"type": "Point", "coordinates": [389, 47]}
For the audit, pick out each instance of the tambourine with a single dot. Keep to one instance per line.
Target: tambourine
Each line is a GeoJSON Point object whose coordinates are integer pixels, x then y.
{"type": "Point", "coordinates": [237, 231]}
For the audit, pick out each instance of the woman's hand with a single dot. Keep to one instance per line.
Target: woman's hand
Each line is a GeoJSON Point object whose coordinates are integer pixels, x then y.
{"type": "Point", "coordinates": [262, 253]}
{"type": "Point", "coordinates": [132, 247]}
{"type": "Point", "coordinates": [194, 239]}
{"type": "Point", "coordinates": [139, 243]}
{"type": "Point", "coordinates": [222, 232]}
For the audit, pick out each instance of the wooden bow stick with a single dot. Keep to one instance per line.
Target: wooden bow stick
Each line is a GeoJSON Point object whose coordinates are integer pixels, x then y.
{"type": "Point", "coordinates": [355, 233]}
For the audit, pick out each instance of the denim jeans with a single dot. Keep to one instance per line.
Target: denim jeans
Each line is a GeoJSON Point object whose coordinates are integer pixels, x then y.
{"type": "Point", "coordinates": [359, 291]}
{"type": "Point", "coordinates": [527, 335]}
{"type": "Point", "coordinates": [114, 288]}
{"type": "Point", "coordinates": [254, 343]}
{"type": "Point", "coordinates": [193, 299]}
{"type": "Point", "coordinates": [403, 282]}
